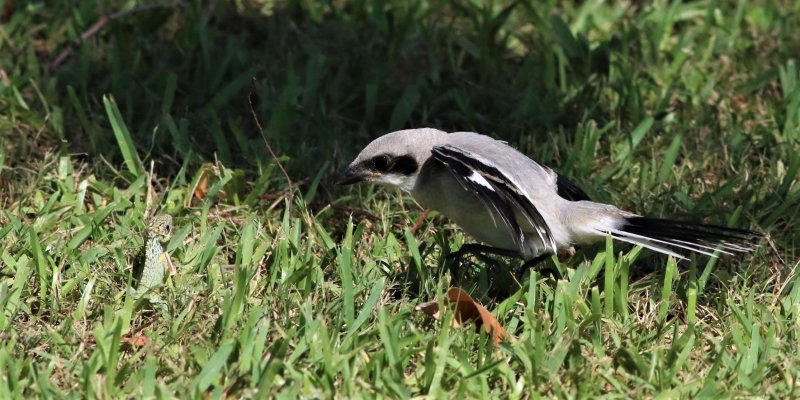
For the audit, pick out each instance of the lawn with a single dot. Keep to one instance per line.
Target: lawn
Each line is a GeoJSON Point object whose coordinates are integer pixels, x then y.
{"type": "Point", "coordinates": [231, 116]}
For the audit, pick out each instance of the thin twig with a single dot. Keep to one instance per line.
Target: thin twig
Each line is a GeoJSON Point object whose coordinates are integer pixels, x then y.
{"type": "Point", "coordinates": [774, 248]}
{"type": "Point", "coordinates": [420, 221]}
{"type": "Point", "coordinates": [266, 143]}
{"type": "Point", "coordinates": [148, 199]}
{"type": "Point", "coordinates": [101, 23]}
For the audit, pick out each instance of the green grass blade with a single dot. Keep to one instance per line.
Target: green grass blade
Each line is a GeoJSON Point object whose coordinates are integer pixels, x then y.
{"type": "Point", "coordinates": [213, 367]}
{"type": "Point", "coordinates": [346, 271]}
{"type": "Point", "coordinates": [124, 140]}
{"type": "Point", "coordinates": [666, 289]}
{"type": "Point", "coordinates": [40, 260]}
{"type": "Point", "coordinates": [404, 107]}
{"type": "Point", "coordinates": [669, 159]}
{"type": "Point", "coordinates": [635, 138]}
{"type": "Point", "coordinates": [610, 271]}
{"type": "Point", "coordinates": [311, 193]}
{"type": "Point", "coordinates": [369, 307]}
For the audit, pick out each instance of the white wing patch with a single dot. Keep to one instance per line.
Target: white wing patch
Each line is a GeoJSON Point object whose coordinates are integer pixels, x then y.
{"type": "Point", "coordinates": [480, 180]}
{"type": "Point", "coordinates": [499, 193]}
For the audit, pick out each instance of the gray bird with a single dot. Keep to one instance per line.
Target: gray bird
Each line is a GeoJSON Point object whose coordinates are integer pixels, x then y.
{"type": "Point", "coordinates": [510, 202]}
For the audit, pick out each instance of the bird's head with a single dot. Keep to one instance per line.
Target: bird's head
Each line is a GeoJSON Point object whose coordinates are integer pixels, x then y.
{"type": "Point", "coordinates": [393, 159]}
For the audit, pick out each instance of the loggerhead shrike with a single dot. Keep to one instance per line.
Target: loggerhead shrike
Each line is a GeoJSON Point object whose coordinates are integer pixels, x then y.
{"type": "Point", "coordinates": [509, 201]}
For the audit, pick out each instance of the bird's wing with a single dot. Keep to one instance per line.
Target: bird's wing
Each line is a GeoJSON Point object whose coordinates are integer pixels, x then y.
{"type": "Point", "coordinates": [569, 190]}
{"type": "Point", "coordinates": [497, 192]}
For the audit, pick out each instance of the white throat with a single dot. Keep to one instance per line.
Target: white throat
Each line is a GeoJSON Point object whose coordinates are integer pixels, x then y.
{"type": "Point", "coordinates": [405, 182]}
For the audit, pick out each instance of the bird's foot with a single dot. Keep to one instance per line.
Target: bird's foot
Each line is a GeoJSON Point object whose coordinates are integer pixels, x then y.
{"type": "Point", "coordinates": [482, 253]}
{"type": "Point", "coordinates": [533, 263]}
{"type": "Point", "coordinates": [454, 261]}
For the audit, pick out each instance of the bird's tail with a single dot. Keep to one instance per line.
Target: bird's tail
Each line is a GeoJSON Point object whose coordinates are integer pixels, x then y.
{"type": "Point", "coordinates": [666, 236]}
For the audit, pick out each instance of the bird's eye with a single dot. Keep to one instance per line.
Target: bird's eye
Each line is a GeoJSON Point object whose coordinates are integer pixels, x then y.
{"type": "Point", "coordinates": [381, 163]}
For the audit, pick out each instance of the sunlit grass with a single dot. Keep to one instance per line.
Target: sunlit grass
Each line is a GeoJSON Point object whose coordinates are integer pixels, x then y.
{"type": "Point", "coordinates": [681, 110]}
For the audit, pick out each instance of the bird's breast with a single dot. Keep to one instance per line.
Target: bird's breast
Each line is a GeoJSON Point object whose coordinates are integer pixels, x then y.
{"type": "Point", "coordinates": [440, 191]}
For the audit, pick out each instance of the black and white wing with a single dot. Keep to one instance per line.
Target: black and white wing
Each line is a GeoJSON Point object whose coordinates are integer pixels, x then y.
{"type": "Point", "coordinates": [498, 193]}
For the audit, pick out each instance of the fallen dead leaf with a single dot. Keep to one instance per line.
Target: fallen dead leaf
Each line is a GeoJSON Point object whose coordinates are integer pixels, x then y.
{"type": "Point", "coordinates": [431, 309]}
{"type": "Point", "coordinates": [8, 10]}
{"type": "Point", "coordinates": [201, 189]}
{"type": "Point", "coordinates": [136, 341]}
{"type": "Point", "coordinates": [466, 310]}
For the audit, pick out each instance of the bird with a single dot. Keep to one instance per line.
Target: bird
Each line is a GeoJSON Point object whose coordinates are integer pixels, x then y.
{"type": "Point", "coordinates": [515, 205]}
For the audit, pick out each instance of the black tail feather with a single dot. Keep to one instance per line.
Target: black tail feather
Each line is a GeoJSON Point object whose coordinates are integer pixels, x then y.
{"type": "Point", "coordinates": [693, 236]}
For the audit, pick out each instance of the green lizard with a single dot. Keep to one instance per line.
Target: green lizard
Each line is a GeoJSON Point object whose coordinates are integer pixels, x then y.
{"type": "Point", "coordinates": [156, 260]}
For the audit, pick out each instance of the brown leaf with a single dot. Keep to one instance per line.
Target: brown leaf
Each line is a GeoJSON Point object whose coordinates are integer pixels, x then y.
{"type": "Point", "coordinates": [7, 11]}
{"type": "Point", "coordinates": [466, 310]}
{"type": "Point", "coordinates": [420, 221]}
{"type": "Point", "coordinates": [136, 341]}
{"type": "Point", "coordinates": [201, 189]}
{"type": "Point", "coordinates": [429, 308]}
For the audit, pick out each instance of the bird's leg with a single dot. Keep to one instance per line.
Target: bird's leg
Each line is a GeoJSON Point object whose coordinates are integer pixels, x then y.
{"type": "Point", "coordinates": [478, 250]}
{"type": "Point", "coordinates": [530, 264]}
{"type": "Point", "coordinates": [536, 260]}
{"type": "Point", "coordinates": [482, 249]}
{"type": "Point", "coordinates": [546, 269]}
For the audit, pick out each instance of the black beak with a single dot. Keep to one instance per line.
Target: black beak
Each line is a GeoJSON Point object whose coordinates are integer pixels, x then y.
{"type": "Point", "coordinates": [349, 176]}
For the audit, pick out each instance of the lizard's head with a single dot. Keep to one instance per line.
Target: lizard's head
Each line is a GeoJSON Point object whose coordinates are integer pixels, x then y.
{"type": "Point", "coordinates": [160, 227]}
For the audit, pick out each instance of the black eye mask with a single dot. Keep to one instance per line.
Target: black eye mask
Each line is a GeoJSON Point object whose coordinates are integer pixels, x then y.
{"type": "Point", "coordinates": [386, 164]}
{"type": "Point", "coordinates": [381, 163]}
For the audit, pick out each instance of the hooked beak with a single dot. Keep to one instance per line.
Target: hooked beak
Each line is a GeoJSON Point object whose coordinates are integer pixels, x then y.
{"type": "Point", "coordinates": [350, 175]}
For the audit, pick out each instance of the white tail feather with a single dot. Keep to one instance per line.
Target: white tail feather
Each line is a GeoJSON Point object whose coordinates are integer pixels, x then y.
{"type": "Point", "coordinates": [689, 246]}
{"type": "Point", "coordinates": [647, 244]}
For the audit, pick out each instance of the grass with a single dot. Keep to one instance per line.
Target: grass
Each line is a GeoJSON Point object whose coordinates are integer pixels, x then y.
{"type": "Point", "coordinates": [669, 109]}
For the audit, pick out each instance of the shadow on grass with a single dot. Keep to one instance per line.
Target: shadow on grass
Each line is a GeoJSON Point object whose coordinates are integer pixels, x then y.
{"type": "Point", "coordinates": [326, 78]}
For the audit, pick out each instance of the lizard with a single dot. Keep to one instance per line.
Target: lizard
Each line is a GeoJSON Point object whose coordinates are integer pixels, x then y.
{"type": "Point", "coordinates": [156, 260]}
